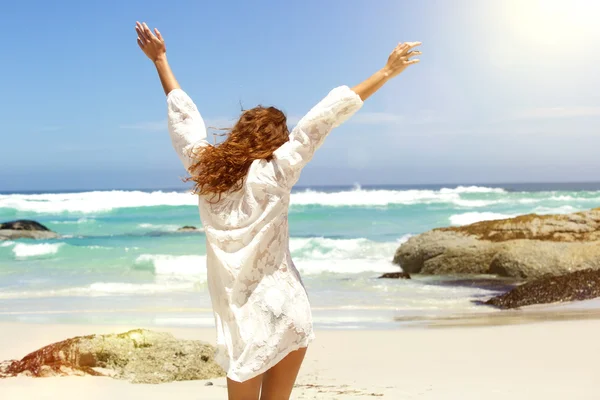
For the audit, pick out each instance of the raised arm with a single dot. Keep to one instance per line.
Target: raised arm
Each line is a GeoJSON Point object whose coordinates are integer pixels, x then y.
{"type": "Point", "coordinates": [155, 49]}
{"type": "Point", "coordinates": [186, 126]}
{"type": "Point", "coordinates": [339, 105]}
{"type": "Point", "coordinates": [397, 62]}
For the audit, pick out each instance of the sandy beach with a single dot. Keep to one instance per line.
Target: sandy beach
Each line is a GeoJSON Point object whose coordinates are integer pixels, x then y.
{"type": "Point", "coordinates": [546, 360]}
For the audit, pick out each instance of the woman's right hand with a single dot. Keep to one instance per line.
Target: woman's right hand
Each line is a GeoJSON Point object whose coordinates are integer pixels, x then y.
{"type": "Point", "coordinates": [152, 46]}
{"type": "Point", "coordinates": [400, 58]}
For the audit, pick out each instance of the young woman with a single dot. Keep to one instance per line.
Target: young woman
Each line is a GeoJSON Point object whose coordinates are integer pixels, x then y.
{"type": "Point", "coordinates": [261, 308]}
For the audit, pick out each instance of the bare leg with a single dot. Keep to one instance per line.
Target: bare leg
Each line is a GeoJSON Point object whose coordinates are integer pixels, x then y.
{"type": "Point", "coordinates": [278, 382]}
{"type": "Point", "coordinates": [248, 390]}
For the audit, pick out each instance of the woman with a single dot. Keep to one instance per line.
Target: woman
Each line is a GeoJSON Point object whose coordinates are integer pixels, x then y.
{"type": "Point", "coordinates": [261, 308]}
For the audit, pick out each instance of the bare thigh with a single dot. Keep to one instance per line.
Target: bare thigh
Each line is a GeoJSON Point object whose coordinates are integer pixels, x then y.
{"type": "Point", "coordinates": [248, 390]}
{"type": "Point", "coordinates": [278, 382]}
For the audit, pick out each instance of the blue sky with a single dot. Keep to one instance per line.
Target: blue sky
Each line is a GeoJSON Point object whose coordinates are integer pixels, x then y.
{"type": "Point", "coordinates": [506, 90]}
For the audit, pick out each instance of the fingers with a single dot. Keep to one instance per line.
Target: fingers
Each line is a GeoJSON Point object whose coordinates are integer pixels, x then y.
{"type": "Point", "coordinates": [140, 43]}
{"type": "Point", "coordinates": [402, 47]}
{"type": "Point", "coordinates": [148, 32]}
{"type": "Point", "coordinates": [140, 30]}
{"type": "Point", "coordinates": [411, 62]}
{"type": "Point", "coordinates": [141, 36]}
{"type": "Point", "coordinates": [158, 35]}
{"type": "Point", "coordinates": [141, 39]}
{"type": "Point", "coordinates": [144, 33]}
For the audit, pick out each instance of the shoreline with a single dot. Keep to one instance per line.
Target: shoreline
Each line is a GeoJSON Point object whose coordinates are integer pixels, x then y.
{"type": "Point", "coordinates": [202, 318]}
{"type": "Point", "coordinates": [543, 360]}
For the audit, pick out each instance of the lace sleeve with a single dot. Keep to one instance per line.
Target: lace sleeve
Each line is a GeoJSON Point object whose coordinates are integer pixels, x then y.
{"type": "Point", "coordinates": [186, 125]}
{"type": "Point", "coordinates": [339, 105]}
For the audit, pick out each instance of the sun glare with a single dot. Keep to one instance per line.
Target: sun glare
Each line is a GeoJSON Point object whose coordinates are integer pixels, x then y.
{"type": "Point", "coordinates": [553, 23]}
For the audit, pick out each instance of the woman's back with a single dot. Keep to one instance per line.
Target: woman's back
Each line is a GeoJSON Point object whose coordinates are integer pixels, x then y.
{"type": "Point", "coordinates": [261, 308]}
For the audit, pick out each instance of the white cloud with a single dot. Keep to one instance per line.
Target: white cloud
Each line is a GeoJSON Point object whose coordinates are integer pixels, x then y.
{"type": "Point", "coordinates": [558, 112]}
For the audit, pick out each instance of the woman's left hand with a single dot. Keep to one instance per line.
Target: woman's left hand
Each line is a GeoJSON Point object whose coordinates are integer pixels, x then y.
{"type": "Point", "coordinates": [152, 45]}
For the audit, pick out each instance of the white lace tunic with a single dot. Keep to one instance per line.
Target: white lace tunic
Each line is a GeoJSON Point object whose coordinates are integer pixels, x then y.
{"type": "Point", "coordinates": [261, 308]}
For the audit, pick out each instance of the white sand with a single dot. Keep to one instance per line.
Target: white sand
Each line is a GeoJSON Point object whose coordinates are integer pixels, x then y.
{"type": "Point", "coordinates": [549, 360]}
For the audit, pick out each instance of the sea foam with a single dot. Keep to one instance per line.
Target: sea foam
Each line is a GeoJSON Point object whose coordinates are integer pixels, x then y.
{"type": "Point", "coordinates": [23, 250]}
{"type": "Point", "coordinates": [343, 256]}
{"type": "Point", "coordinates": [170, 267]}
{"type": "Point", "coordinates": [106, 201]}
{"type": "Point", "coordinates": [93, 202]}
{"type": "Point", "coordinates": [472, 217]}
{"type": "Point", "coordinates": [99, 289]}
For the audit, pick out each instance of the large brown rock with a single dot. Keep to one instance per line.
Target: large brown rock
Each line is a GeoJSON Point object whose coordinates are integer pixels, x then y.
{"type": "Point", "coordinates": [25, 228]}
{"type": "Point", "coordinates": [140, 356]}
{"type": "Point", "coordinates": [578, 285]}
{"type": "Point", "coordinates": [528, 247]}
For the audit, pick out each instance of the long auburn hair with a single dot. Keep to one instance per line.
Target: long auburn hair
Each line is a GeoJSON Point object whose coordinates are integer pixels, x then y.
{"type": "Point", "coordinates": [221, 168]}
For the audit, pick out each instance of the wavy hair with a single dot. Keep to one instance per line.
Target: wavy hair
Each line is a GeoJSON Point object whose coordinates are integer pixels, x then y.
{"type": "Point", "coordinates": [222, 168]}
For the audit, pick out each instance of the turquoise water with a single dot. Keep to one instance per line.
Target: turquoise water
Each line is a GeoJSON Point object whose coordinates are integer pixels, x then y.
{"type": "Point", "coordinates": [121, 260]}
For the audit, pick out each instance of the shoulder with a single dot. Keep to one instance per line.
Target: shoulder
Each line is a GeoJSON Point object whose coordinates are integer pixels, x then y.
{"type": "Point", "coordinates": [266, 173]}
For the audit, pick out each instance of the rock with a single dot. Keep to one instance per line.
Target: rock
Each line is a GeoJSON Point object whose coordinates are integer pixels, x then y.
{"type": "Point", "coordinates": [495, 284]}
{"type": "Point", "coordinates": [576, 227]}
{"type": "Point", "coordinates": [187, 228]}
{"type": "Point", "coordinates": [140, 356]}
{"type": "Point", "coordinates": [578, 285]}
{"type": "Point", "coordinates": [208, 384]}
{"type": "Point", "coordinates": [25, 229]}
{"type": "Point", "coordinates": [395, 275]}
{"type": "Point", "coordinates": [525, 247]}
{"type": "Point", "coordinates": [24, 225]}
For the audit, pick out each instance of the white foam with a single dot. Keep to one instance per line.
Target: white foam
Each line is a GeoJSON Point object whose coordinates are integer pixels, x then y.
{"type": "Point", "coordinates": [472, 217]}
{"type": "Point", "coordinates": [90, 202]}
{"type": "Point", "coordinates": [311, 256]}
{"type": "Point", "coordinates": [344, 266]}
{"type": "Point", "coordinates": [344, 256]}
{"type": "Point", "coordinates": [164, 227]}
{"type": "Point", "coordinates": [473, 189]}
{"type": "Point", "coordinates": [382, 198]}
{"type": "Point", "coordinates": [82, 220]}
{"type": "Point", "coordinates": [159, 227]}
{"type": "Point", "coordinates": [105, 201]}
{"type": "Point", "coordinates": [6, 243]}
{"type": "Point", "coordinates": [529, 201]}
{"type": "Point", "coordinates": [111, 288]}
{"type": "Point", "coordinates": [566, 209]}
{"type": "Point", "coordinates": [360, 197]}
{"type": "Point", "coordinates": [345, 249]}
{"type": "Point", "coordinates": [575, 198]}
{"type": "Point", "coordinates": [23, 250]}
{"type": "Point", "coordinates": [192, 268]}
{"type": "Point", "coordinates": [476, 203]}
{"type": "Point", "coordinates": [99, 289]}
{"type": "Point", "coordinates": [565, 198]}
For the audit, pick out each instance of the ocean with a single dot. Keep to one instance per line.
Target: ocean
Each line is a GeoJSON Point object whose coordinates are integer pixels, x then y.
{"type": "Point", "coordinates": [120, 259]}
